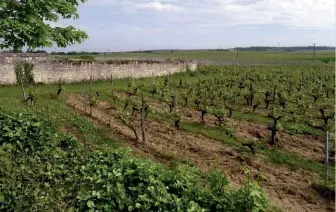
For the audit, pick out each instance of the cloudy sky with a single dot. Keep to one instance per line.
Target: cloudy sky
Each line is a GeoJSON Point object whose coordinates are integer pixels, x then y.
{"type": "Point", "coordinates": [120, 25]}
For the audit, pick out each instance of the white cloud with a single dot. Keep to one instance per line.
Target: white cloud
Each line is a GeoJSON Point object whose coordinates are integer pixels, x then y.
{"type": "Point", "coordinates": [309, 14]}
{"type": "Point", "coordinates": [101, 2]}
{"type": "Point", "coordinates": [156, 5]}
{"type": "Point", "coordinates": [291, 13]}
{"type": "Point", "coordinates": [206, 23]}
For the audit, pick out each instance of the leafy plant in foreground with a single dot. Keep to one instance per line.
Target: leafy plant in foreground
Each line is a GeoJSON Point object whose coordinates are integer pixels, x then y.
{"type": "Point", "coordinates": [51, 173]}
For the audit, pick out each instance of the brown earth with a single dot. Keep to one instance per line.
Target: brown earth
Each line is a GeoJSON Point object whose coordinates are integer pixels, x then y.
{"type": "Point", "coordinates": [287, 189]}
{"type": "Point", "coordinates": [308, 146]}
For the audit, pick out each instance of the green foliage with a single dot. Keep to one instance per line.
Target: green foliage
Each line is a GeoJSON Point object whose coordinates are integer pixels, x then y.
{"type": "Point", "coordinates": [113, 96]}
{"type": "Point", "coordinates": [176, 115]}
{"type": "Point", "coordinates": [190, 72]}
{"type": "Point", "coordinates": [93, 101]}
{"type": "Point", "coordinates": [42, 170]}
{"type": "Point", "coordinates": [327, 59]}
{"type": "Point", "coordinates": [256, 200]}
{"type": "Point", "coordinates": [294, 129]}
{"type": "Point", "coordinates": [24, 72]}
{"type": "Point", "coordinates": [28, 23]}
{"type": "Point", "coordinates": [218, 182]}
{"type": "Point", "coordinates": [125, 117]}
{"type": "Point", "coordinates": [219, 113]}
{"type": "Point", "coordinates": [153, 90]}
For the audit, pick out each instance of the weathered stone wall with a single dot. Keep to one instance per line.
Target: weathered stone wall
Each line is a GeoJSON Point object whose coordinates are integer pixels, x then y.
{"type": "Point", "coordinates": [51, 71]}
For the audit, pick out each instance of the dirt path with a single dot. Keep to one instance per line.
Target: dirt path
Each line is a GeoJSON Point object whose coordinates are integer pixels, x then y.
{"type": "Point", "coordinates": [289, 190]}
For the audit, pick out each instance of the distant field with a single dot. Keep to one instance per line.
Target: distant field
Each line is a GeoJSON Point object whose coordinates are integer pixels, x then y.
{"type": "Point", "coordinates": [219, 55]}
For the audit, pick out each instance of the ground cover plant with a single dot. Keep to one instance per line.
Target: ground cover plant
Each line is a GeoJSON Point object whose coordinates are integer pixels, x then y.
{"type": "Point", "coordinates": [46, 171]}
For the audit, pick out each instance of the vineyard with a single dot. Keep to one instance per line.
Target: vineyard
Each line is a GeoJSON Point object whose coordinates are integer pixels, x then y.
{"type": "Point", "coordinates": [201, 140]}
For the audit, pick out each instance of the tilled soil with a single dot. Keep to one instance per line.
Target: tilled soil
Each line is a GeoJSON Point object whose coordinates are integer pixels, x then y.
{"type": "Point", "coordinates": [308, 146]}
{"type": "Point", "coordinates": [287, 189]}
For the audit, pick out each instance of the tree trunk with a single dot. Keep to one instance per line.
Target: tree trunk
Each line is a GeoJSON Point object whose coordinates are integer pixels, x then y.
{"type": "Point", "coordinates": [90, 96]}
{"type": "Point", "coordinates": [273, 134]}
{"type": "Point", "coordinates": [186, 102]}
{"type": "Point", "coordinates": [203, 112]}
{"type": "Point", "coordinates": [177, 124]}
{"type": "Point", "coordinates": [326, 159]}
{"type": "Point", "coordinates": [230, 112]}
{"type": "Point", "coordinates": [267, 104]}
{"type": "Point", "coordinates": [135, 133]}
{"type": "Point", "coordinates": [23, 91]}
{"type": "Point", "coordinates": [85, 99]}
{"type": "Point", "coordinates": [143, 119]}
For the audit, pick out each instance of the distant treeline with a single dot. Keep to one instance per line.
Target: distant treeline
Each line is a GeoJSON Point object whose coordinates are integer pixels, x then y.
{"type": "Point", "coordinates": [74, 53]}
{"type": "Point", "coordinates": [145, 51]}
{"type": "Point", "coordinates": [52, 53]}
{"type": "Point", "coordinates": [11, 51]}
{"type": "Point", "coordinates": [29, 51]}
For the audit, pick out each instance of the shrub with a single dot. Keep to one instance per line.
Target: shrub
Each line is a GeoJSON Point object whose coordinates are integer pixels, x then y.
{"type": "Point", "coordinates": [24, 72]}
{"type": "Point", "coordinates": [42, 170]}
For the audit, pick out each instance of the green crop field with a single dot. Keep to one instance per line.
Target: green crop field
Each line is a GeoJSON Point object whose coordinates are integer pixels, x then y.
{"type": "Point", "coordinates": [200, 140]}
{"type": "Point", "coordinates": [323, 55]}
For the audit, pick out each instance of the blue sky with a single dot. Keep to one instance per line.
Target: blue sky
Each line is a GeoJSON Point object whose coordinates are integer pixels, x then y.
{"type": "Point", "coordinates": [123, 25]}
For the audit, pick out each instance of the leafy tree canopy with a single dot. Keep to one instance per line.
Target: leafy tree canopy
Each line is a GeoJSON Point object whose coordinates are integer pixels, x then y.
{"type": "Point", "coordinates": [26, 23]}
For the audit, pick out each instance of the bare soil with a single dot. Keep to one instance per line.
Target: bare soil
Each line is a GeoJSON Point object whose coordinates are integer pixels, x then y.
{"type": "Point", "coordinates": [308, 146]}
{"type": "Point", "coordinates": [287, 189]}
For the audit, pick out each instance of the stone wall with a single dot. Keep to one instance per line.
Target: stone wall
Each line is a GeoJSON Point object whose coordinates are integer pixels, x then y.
{"type": "Point", "coordinates": [47, 70]}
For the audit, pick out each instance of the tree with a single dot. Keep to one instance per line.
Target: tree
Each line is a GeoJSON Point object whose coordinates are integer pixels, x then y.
{"type": "Point", "coordinates": [26, 23]}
